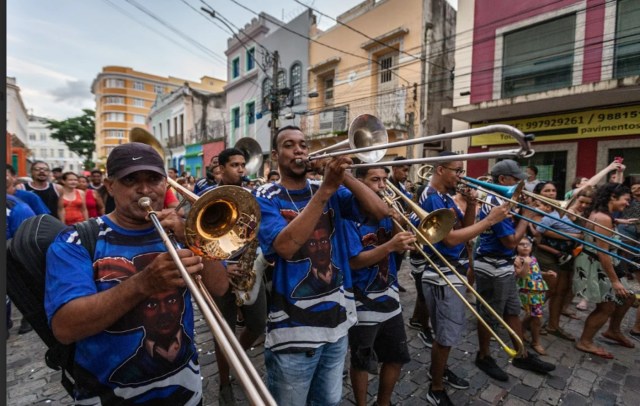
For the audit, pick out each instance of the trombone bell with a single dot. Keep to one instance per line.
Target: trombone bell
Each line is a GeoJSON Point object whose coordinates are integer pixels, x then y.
{"type": "Point", "coordinates": [252, 153]}
{"type": "Point", "coordinates": [367, 130]}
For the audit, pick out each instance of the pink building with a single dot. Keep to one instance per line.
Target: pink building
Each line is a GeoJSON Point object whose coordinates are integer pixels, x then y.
{"type": "Point", "coordinates": [564, 70]}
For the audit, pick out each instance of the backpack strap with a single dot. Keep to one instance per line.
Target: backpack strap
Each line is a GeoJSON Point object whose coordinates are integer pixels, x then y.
{"type": "Point", "coordinates": [61, 357]}
{"type": "Point", "coordinates": [88, 232]}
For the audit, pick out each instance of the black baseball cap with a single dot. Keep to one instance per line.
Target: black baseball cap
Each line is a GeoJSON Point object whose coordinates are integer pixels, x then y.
{"type": "Point", "coordinates": [133, 157]}
{"type": "Point", "coordinates": [508, 167]}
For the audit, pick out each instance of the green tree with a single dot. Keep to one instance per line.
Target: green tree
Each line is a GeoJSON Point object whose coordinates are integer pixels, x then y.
{"type": "Point", "coordinates": [78, 134]}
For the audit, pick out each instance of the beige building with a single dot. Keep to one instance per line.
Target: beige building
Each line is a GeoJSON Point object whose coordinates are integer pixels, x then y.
{"type": "Point", "coordinates": [124, 98]}
{"type": "Point", "coordinates": [389, 72]}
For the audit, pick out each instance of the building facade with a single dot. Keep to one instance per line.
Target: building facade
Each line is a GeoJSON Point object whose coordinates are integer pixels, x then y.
{"type": "Point", "coordinates": [566, 71]}
{"type": "Point", "coordinates": [55, 153]}
{"type": "Point", "coordinates": [17, 128]}
{"type": "Point", "coordinates": [392, 59]}
{"type": "Point", "coordinates": [124, 98]}
{"type": "Point", "coordinates": [186, 120]}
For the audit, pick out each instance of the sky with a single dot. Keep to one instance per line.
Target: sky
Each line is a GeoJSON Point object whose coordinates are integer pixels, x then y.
{"type": "Point", "coordinates": [55, 48]}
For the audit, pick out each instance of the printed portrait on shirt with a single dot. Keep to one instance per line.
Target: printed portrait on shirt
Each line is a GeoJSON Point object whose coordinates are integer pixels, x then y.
{"type": "Point", "coordinates": [323, 277]}
{"type": "Point", "coordinates": [164, 347]}
{"type": "Point", "coordinates": [382, 279]}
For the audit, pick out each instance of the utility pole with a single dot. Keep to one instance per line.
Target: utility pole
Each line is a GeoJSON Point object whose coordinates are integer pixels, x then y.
{"type": "Point", "coordinates": [274, 105]}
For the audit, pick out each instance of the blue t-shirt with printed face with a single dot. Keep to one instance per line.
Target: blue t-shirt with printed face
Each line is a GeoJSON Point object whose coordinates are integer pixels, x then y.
{"type": "Point", "coordinates": [432, 200]}
{"type": "Point", "coordinates": [148, 356]}
{"type": "Point", "coordinates": [312, 300]}
{"type": "Point", "coordinates": [375, 287]}
{"type": "Point", "coordinates": [490, 244]}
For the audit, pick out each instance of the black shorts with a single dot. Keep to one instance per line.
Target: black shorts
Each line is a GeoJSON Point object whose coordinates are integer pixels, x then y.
{"type": "Point", "coordinates": [382, 342]}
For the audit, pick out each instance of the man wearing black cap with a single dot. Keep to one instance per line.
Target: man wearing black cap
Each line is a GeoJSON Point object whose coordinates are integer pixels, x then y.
{"type": "Point", "coordinates": [96, 302]}
{"type": "Point", "coordinates": [495, 277]}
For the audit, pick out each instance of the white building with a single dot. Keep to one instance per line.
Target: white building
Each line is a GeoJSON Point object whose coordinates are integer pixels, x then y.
{"type": "Point", "coordinates": [44, 148]}
{"type": "Point", "coordinates": [17, 116]}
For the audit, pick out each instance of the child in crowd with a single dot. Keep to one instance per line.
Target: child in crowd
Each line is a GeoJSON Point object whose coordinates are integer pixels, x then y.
{"type": "Point", "coordinates": [532, 291]}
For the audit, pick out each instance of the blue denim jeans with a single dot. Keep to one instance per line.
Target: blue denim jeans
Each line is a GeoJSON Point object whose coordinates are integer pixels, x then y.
{"type": "Point", "coordinates": [307, 378]}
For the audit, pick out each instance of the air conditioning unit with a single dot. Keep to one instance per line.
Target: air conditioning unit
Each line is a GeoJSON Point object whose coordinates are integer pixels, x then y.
{"type": "Point", "coordinates": [333, 120]}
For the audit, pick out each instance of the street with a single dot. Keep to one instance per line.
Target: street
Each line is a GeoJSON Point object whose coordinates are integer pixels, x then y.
{"type": "Point", "coordinates": [579, 379]}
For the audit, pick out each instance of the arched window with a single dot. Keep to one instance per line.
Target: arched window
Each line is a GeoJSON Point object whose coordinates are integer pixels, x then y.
{"type": "Point", "coordinates": [296, 82]}
{"type": "Point", "coordinates": [266, 93]}
{"type": "Point", "coordinates": [282, 79]}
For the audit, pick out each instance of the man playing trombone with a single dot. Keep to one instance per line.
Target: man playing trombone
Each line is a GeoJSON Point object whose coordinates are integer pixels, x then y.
{"type": "Point", "coordinates": [312, 304]}
{"type": "Point", "coordinates": [232, 166]}
{"type": "Point", "coordinates": [379, 335]}
{"type": "Point", "coordinates": [446, 309]}
{"type": "Point", "coordinates": [495, 280]}
{"type": "Point", "coordinates": [105, 304]}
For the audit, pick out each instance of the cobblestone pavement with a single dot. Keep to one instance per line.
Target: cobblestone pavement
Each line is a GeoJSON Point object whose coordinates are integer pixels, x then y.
{"type": "Point", "coordinates": [579, 379]}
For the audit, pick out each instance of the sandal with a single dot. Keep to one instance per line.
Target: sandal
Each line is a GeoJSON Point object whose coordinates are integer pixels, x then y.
{"type": "Point", "coordinates": [560, 333]}
{"type": "Point", "coordinates": [582, 305]}
{"type": "Point", "coordinates": [571, 315]}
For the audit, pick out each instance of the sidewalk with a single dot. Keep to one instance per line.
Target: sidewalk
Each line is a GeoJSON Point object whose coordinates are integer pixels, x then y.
{"type": "Point", "coordinates": [579, 379]}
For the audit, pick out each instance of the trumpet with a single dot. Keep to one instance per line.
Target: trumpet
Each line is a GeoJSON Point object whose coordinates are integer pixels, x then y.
{"type": "Point", "coordinates": [427, 240]}
{"type": "Point", "coordinates": [424, 172]}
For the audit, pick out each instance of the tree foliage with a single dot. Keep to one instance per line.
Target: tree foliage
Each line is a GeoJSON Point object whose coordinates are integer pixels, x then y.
{"type": "Point", "coordinates": [78, 134]}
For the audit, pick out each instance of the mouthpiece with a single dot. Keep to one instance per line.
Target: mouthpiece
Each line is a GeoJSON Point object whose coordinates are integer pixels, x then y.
{"type": "Point", "coordinates": [144, 202]}
{"type": "Point", "coordinates": [299, 162]}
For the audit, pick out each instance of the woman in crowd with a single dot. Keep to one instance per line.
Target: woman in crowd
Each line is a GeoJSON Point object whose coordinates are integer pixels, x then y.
{"type": "Point", "coordinates": [72, 207]}
{"type": "Point", "coordinates": [95, 206]}
{"type": "Point", "coordinates": [596, 279]}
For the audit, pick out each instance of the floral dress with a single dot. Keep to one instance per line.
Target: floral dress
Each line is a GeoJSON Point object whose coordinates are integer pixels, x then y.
{"type": "Point", "coordinates": [590, 281]}
{"type": "Point", "coordinates": [532, 290]}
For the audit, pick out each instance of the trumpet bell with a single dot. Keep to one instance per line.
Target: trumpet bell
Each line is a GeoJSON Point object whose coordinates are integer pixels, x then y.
{"type": "Point", "coordinates": [252, 153]}
{"type": "Point", "coordinates": [139, 134]}
{"type": "Point", "coordinates": [367, 130]}
{"type": "Point", "coordinates": [435, 225]}
{"type": "Point", "coordinates": [222, 222]}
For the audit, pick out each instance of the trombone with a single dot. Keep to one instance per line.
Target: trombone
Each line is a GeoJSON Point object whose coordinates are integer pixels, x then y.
{"type": "Point", "coordinates": [507, 193]}
{"type": "Point", "coordinates": [435, 232]}
{"type": "Point", "coordinates": [367, 135]}
{"type": "Point", "coordinates": [563, 206]}
{"type": "Point", "coordinates": [220, 225]}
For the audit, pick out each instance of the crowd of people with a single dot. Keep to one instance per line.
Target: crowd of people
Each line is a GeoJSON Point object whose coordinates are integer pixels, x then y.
{"type": "Point", "coordinates": [331, 291]}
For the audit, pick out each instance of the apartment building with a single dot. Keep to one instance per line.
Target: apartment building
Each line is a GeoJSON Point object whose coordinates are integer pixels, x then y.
{"type": "Point", "coordinates": [45, 148]}
{"type": "Point", "coordinates": [392, 59]}
{"type": "Point", "coordinates": [123, 100]}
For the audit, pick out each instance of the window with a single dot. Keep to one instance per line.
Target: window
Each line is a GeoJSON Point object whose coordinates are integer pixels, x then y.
{"type": "Point", "coordinates": [327, 86]}
{"type": "Point", "coordinates": [138, 102]}
{"type": "Point", "coordinates": [539, 57]}
{"type": "Point", "coordinates": [266, 93]}
{"type": "Point", "coordinates": [114, 100]}
{"type": "Point", "coordinates": [251, 61]}
{"type": "Point", "coordinates": [115, 134]}
{"type": "Point", "coordinates": [160, 129]}
{"type": "Point", "coordinates": [627, 50]}
{"type": "Point", "coordinates": [114, 83]}
{"type": "Point", "coordinates": [61, 153]}
{"type": "Point", "coordinates": [175, 126]}
{"type": "Point", "coordinates": [282, 79]}
{"type": "Point", "coordinates": [138, 85]}
{"type": "Point", "coordinates": [385, 68]}
{"type": "Point", "coordinates": [158, 89]}
{"type": "Point", "coordinates": [181, 123]}
{"type": "Point", "coordinates": [295, 81]}
{"type": "Point", "coordinates": [235, 68]}
{"type": "Point", "coordinates": [32, 136]}
{"type": "Point", "coordinates": [43, 136]}
{"type": "Point", "coordinates": [43, 153]}
{"type": "Point", "coordinates": [235, 118]}
{"type": "Point", "coordinates": [138, 118]}
{"type": "Point", "coordinates": [119, 117]}
{"type": "Point", "coordinates": [251, 112]}
{"type": "Point", "coordinates": [169, 128]}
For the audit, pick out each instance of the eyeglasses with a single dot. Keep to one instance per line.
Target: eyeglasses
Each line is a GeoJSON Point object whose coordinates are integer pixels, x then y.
{"type": "Point", "coordinates": [458, 171]}
{"type": "Point", "coordinates": [524, 244]}
{"type": "Point", "coordinates": [40, 169]}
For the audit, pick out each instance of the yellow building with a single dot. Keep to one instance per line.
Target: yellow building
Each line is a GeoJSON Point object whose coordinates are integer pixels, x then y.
{"type": "Point", "coordinates": [387, 72]}
{"type": "Point", "coordinates": [124, 98]}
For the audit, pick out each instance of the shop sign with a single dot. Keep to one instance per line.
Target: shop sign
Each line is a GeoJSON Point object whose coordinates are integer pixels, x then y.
{"type": "Point", "coordinates": [584, 124]}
